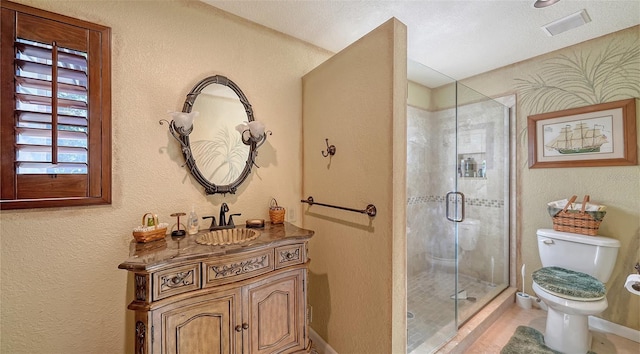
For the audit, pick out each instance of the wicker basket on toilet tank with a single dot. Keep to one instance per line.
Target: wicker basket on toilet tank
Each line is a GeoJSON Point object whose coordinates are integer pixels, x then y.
{"type": "Point", "coordinates": [576, 221]}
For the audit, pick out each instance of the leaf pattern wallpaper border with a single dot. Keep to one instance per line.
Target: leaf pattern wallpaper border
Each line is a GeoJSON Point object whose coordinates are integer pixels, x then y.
{"type": "Point", "coordinates": [582, 79]}
{"type": "Point", "coordinates": [578, 79]}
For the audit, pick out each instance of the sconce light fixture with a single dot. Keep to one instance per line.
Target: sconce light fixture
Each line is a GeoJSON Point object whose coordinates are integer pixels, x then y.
{"type": "Point", "coordinates": [182, 123]}
{"type": "Point", "coordinates": [253, 132]}
{"type": "Point", "coordinates": [181, 126]}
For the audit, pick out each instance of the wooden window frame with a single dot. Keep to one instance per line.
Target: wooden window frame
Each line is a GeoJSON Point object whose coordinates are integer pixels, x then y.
{"type": "Point", "coordinates": [98, 178]}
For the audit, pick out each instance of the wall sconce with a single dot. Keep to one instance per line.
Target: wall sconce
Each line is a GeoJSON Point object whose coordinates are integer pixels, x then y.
{"type": "Point", "coordinates": [253, 132]}
{"type": "Point", "coordinates": [181, 126]}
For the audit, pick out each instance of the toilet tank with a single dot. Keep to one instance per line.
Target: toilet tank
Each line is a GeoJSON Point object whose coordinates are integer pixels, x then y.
{"type": "Point", "coordinates": [468, 231]}
{"type": "Point", "coordinates": [594, 255]}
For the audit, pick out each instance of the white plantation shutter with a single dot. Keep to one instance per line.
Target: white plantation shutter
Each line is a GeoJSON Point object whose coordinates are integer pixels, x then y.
{"type": "Point", "coordinates": [56, 125]}
{"type": "Point", "coordinates": [48, 140]}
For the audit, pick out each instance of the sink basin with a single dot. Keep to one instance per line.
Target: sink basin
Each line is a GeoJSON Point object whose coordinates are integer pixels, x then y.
{"type": "Point", "coordinates": [227, 237]}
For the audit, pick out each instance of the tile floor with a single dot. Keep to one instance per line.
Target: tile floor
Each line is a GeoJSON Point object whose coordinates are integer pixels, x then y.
{"type": "Point", "coordinates": [431, 308]}
{"type": "Point", "coordinates": [501, 331]}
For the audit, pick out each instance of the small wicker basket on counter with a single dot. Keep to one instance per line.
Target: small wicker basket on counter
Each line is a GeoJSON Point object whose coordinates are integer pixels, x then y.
{"type": "Point", "coordinates": [276, 213]}
{"type": "Point", "coordinates": [576, 221]}
{"type": "Point", "coordinates": [150, 230]}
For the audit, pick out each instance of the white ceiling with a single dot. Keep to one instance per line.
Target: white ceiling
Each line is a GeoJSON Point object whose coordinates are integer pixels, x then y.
{"type": "Point", "coordinates": [459, 38]}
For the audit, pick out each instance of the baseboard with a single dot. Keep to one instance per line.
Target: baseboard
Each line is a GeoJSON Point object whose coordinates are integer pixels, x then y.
{"type": "Point", "coordinates": [319, 344]}
{"type": "Point", "coordinates": [614, 328]}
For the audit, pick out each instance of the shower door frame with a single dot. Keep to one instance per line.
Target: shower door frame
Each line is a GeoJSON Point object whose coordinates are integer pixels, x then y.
{"type": "Point", "coordinates": [509, 195]}
{"type": "Point", "coordinates": [508, 221]}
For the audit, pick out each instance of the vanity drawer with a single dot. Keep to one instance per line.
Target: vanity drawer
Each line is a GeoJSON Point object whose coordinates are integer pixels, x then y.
{"type": "Point", "coordinates": [233, 268]}
{"type": "Point", "coordinates": [175, 281]}
{"type": "Point", "coordinates": [289, 255]}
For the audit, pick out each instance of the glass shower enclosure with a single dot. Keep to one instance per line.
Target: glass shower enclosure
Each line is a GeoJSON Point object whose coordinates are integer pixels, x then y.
{"type": "Point", "coordinates": [457, 206]}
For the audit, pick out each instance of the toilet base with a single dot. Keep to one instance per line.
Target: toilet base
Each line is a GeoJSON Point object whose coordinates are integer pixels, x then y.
{"type": "Point", "coordinates": [567, 333]}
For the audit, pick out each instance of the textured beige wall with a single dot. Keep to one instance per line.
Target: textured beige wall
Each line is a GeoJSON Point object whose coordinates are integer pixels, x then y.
{"type": "Point", "coordinates": [61, 289]}
{"type": "Point", "coordinates": [616, 187]}
{"type": "Point", "coordinates": [418, 96]}
{"type": "Point", "coordinates": [357, 99]}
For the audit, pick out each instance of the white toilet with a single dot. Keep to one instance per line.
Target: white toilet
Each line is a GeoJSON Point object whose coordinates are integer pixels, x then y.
{"type": "Point", "coordinates": [571, 284]}
{"type": "Point", "coordinates": [468, 232]}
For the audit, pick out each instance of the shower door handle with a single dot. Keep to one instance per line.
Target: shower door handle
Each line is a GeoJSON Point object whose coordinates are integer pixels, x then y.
{"type": "Point", "coordinates": [457, 198]}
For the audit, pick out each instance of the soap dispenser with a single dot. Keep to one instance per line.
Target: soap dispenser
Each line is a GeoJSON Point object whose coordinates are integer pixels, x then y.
{"type": "Point", "coordinates": [192, 224]}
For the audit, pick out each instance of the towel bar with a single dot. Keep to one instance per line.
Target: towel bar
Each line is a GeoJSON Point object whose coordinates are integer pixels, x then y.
{"type": "Point", "coordinates": [369, 210]}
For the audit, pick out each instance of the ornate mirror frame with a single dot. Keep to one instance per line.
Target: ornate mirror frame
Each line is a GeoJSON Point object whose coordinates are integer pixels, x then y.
{"type": "Point", "coordinates": [210, 187]}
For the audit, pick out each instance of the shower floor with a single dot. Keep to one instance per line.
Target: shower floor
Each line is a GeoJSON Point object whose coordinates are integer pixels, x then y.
{"type": "Point", "coordinates": [429, 301]}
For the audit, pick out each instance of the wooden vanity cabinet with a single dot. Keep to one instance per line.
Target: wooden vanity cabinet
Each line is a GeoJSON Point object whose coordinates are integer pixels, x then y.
{"type": "Point", "coordinates": [275, 314]}
{"type": "Point", "coordinates": [201, 324]}
{"type": "Point", "coordinates": [248, 300]}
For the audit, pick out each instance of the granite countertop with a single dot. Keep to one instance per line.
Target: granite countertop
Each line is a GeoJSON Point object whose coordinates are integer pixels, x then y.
{"type": "Point", "coordinates": [157, 254]}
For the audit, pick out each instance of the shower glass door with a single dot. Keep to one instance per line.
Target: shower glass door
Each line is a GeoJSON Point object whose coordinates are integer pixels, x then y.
{"type": "Point", "coordinates": [457, 168]}
{"type": "Point", "coordinates": [482, 161]}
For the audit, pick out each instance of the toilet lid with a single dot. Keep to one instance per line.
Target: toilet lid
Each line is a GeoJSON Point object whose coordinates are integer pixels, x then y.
{"type": "Point", "coordinates": [569, 284]}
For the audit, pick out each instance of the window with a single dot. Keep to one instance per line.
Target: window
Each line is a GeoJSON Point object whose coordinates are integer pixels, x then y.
{"type": "Point", "coordinates": [55, 127]}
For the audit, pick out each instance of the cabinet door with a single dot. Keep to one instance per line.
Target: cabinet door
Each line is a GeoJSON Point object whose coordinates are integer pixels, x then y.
{"type": "Point", "coordinates": [276, 308]}
{"type": "Point", "coordinates": [201, 325]}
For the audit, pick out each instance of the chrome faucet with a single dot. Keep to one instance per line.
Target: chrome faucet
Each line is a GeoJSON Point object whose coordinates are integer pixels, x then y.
{"type": "Point", "coordinates": [223, 223]}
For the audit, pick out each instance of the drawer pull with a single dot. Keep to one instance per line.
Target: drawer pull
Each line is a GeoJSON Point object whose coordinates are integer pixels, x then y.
{"type": "Point", "coordinates": [287, 256]}
{"type": "Point", "coordinates": [246, 266]}
{"type": "Point", "coordinates": [180, 279]}
{"type": "Point", "coordinates": [238, 328]}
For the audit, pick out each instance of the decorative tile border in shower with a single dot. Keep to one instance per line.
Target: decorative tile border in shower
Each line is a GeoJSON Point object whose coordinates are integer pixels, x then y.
{"type": "Point", "coordinates": [425, 199]}
{"type": "Point", "coordinates": [490, 203]}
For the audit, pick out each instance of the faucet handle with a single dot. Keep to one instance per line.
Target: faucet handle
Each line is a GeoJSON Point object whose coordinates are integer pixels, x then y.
{"type": "Point", "coordinates": [223, 209]}
{"type": "Point", "coordinates": [230, 223]}
{"type": "Point", "coordinates": [213, 221]}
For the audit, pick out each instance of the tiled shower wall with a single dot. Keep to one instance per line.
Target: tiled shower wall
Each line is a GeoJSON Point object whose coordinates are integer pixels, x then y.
{"type": "Point", "coordinates": [432, 172]}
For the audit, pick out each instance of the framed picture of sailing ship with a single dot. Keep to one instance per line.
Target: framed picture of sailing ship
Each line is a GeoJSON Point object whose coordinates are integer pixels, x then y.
{"type": "Point", "coordinates": [598, 135]}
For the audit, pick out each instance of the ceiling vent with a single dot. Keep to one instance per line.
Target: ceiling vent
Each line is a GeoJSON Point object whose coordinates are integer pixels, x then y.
{"type": "Point", "coordinates": [566, 23]}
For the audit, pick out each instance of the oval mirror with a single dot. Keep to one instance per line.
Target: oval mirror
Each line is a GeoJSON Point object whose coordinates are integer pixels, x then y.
{"type": "Point", "coordinates": [215, 153]}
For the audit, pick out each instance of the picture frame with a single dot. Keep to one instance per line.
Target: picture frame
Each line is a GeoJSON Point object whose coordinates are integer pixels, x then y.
{"type": "Point", "coordinates": [597, 135]}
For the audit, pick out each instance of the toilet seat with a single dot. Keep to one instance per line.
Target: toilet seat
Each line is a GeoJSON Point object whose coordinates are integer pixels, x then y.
{"type": "Point", "coordinates": [569, 284]}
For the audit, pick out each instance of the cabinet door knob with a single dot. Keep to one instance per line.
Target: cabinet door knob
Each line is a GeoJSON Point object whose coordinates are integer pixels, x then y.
{"type": "Point", "coordinates": [245, 326]}
{"type": "Point", "coordinates": [238, 328]}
